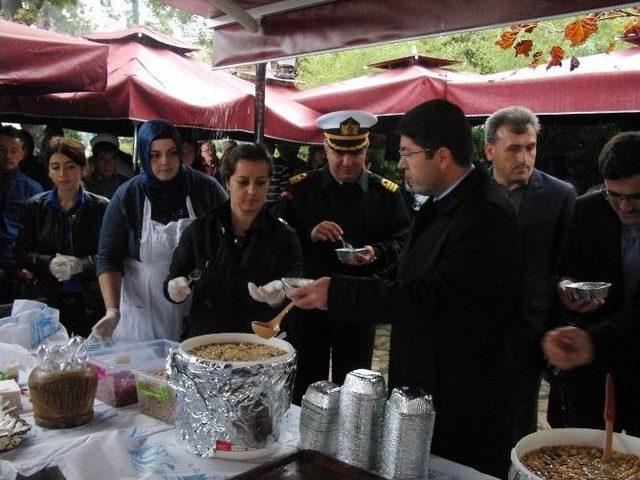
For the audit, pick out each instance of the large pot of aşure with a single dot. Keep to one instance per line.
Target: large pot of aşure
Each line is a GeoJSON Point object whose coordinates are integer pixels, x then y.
{"type": "Point", "coordinates": [574, 454]}
{"type": "Point", "coordinates": [232, 393]}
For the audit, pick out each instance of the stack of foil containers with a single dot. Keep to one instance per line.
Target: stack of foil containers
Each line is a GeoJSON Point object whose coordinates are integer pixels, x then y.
{"type": "Point", "coordinates": [406, 438]}
{"type": "Point", "coordinates": [319, 417]}
{"type": "Point", "coordinates": [362, 402]}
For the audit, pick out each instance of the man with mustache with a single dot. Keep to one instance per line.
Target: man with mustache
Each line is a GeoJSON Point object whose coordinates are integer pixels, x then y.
{"type": "Point", "coordinates": [543, 206]}
{"type": "Point", "coordinates": [341, 202]}
{"type": "Point", "coordinates": [603, 244]}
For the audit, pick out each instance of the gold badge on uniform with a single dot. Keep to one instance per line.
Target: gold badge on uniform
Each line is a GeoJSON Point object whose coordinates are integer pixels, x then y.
{"type": "Point", "coordinates": [346, 130]}
{"type": "Point", "coordinates": [349, 127]}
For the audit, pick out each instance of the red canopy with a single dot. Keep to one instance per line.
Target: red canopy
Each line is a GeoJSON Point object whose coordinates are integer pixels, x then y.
{"type": "Point", "coordinates": [392, 92]}
{"type": "Point", "coordinates": [144, 35]}
{"type": "Point", "coordinates": [148, 82]}
{"type": "Point", "coordinates": [279, 29]}
{"type": "Point", "coordinates": [603, 83]}
{"type": "Point", "coordinates": [41, 61]}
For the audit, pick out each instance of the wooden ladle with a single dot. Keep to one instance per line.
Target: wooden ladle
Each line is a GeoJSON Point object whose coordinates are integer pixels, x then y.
{"type": "Point", "coordinates": [272, 327]}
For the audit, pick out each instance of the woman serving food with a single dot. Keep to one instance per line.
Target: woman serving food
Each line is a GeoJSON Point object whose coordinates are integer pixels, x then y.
{"type": "Point", "coordinates": [239, 242]}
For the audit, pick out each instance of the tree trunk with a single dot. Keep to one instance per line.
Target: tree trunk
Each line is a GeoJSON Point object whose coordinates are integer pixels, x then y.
{"type": "Point", "coordinates": [135, 12]}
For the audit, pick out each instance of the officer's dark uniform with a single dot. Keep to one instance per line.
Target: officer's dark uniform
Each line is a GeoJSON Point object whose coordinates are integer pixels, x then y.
{"type": "Point", "coordinates": [370, 211]}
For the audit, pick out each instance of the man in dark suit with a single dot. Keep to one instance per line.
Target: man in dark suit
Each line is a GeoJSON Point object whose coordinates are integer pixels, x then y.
{"type": "Point", "coordinates": [452, 299]}
{"type": "Point", "coordinates": [543, 206]}
{"type": "Point", "coordinates": [603, 244]}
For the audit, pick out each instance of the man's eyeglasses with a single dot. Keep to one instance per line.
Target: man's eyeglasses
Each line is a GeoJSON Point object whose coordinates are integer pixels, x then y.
{"type": "Point", "coordinates": [616, 198]}
{"type": "Point", "coordinates": [404, 154]}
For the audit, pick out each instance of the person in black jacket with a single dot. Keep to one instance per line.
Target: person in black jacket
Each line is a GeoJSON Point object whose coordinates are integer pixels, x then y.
{"type": "Point", "coordinates": [58, 239]}
{"type": "Point", "coordinates": [602, 245]}
{"type": "Point", "coordinates": [543, 206]}
{"type": "Point", "coordinates": [30, 165]}
{"type": "Point", "coordinates": [454, 296]}
{"type": "Point", "coordinates": [339, 203]}
{"type": "Point", "coordinates": [239, 242]}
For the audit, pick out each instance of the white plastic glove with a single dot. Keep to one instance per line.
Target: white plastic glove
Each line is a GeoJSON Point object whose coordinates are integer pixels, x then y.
{"type": "Point", "coordinates": [103, 330]}
{"type": "Point", "coordinates": [64, 266]}
{"type": "Point", "coordinates": [271, 293]}
{"type": "Point", "coordinates": [178, 289]}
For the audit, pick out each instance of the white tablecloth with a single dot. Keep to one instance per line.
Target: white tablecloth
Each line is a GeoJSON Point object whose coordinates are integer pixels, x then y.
{"type": "Point", "coordinates": [121, 443]}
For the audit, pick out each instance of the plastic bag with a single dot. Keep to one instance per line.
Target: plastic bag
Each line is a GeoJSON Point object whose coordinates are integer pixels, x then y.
{"type": "Point", "coordinates": [32, 323]}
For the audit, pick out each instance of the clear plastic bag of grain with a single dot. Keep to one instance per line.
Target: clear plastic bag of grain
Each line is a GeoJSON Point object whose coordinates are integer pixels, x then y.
{"type": "Point", "coordinates": [406, 435]}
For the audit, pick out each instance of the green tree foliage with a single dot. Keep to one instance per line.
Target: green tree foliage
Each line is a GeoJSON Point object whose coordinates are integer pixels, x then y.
{"type": "Point", "coordinates": [73, 134]}
{"type": "Point", "coordinates": [188, 27]}
{"type": "Point", "coordinates": [476, 51]}
{"type": "Point", "coordinates": [59, 15]}
{"type": "Point", "coordinates": [74, 18]}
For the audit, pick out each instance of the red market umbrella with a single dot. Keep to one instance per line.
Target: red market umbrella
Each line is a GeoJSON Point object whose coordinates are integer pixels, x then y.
{"type": "Point", "coordinates": [148, 81]}
{"type": "Point", "coordinates": [263, 30]}
{"type": "Point", "coordinates": [35, 61]}
{"type": "Point", "coordinates": [602, 83]}
{"type": "Point", "coordinates": [393, 92]}
{"type": "Point", "coordinates": [146, 36]}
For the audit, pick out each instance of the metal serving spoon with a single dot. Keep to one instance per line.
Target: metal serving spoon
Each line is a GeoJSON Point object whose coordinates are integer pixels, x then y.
{"type": "Point", "coordinates": [346, 244]}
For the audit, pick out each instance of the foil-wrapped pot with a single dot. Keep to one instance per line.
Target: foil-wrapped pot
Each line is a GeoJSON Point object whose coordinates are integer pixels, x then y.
{"type": "Point", "coordinates": [362, 401]}
{"type": "Point", "coordinates": [319, 417]}
{"type": "Point", "coordinates": [406, 435]}
{"type": "Point", "coordinates": [230, 409]}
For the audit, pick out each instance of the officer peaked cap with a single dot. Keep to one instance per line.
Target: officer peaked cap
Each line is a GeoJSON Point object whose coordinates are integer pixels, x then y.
{"type": "Point", "coordinates": [346, 130]}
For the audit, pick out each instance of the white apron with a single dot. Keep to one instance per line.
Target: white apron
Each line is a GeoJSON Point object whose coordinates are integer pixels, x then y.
{"type": "Point", "coordinates": [145, 312]}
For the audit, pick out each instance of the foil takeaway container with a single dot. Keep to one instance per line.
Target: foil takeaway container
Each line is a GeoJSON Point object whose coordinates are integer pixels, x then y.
{"type": "Point", "coordinates": [230, 409]}
{"type": "Point", "coordinates": [362, 400]}
{"type": "Point", "coordinates": [406, 435]}
{"type": "Point", "coordinates": [319, 417]}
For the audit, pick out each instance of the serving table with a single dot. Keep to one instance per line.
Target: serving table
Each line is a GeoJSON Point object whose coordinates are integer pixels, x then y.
{"type": "Point", "coordinates": [122, 443]}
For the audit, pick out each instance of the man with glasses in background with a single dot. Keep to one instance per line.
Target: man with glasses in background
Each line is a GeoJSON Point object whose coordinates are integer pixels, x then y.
{"type": "Point", "coordinates": [603, 244]}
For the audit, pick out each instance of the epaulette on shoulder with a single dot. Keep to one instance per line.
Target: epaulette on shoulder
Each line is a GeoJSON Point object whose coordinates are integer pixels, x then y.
{"type": "Point", "coordinates": [298, 178]}
{"type": "Point", "coordinates": [386, 184]}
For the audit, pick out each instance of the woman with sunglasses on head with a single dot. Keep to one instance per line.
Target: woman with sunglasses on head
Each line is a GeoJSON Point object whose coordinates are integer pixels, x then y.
{"type": "Point", "coordinates": [142, 227]}
{"type": "Point", "coordinates": [239, 242]}
{"type": "Point", "coordinates": [58, 238]}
